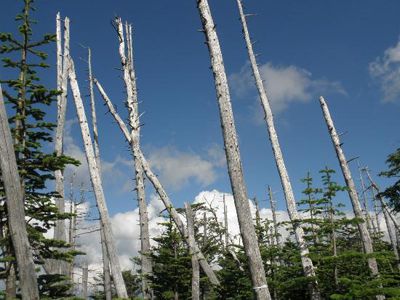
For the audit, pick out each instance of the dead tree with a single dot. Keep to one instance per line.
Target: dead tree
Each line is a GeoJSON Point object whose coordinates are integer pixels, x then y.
{"type": "Point", "coordinates": [134, 124]}
{"type": "Point", "coordinates": [85, 275]}
{"type": "Point", "coordinates": [233, 154]}
{"type": "Point", "coordinates": [308, 267]}
{"type": "Point", "coordinates": [97, 184]}
{"type": "Point", "coordinates": [272, 203]}
{"type": "Point", "coordinates": [16, 210]}
{"type": "Point", "coordinates": [62, 78]}
{"type": "Point", "coordinates": [362, 227]}
{"type": "Point", "coordinates": [195, 261]}
{"type": "Point", "coordinates": [158, 186]}
{"type": "Point", "coordinates": [226, 225]}
{"type": "Point", "coordinates": [387, 216]}
{"type": "Point", "coordinates": [106, 261]}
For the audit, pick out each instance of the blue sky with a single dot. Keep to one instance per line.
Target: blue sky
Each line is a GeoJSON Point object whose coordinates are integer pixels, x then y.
{"type": "Point", "coordinates": [307, 48]}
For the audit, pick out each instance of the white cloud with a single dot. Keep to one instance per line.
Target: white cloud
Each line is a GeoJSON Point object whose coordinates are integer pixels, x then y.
{"type": "Point", "coordinates": [386, 70]}
{"type": "Point", "coordinates": [177, 168]}
{"type": "Point", "coordinates": [284, 84]}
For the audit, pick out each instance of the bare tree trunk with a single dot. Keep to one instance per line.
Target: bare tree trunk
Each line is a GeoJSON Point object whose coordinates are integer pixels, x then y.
{"type": "Point", "coordinates": [72, 225]}
{"type": "Point", "coordinates": [233, 154]}
{"type": "Point", "coordinates": [158, 187]}
{"type": "Point", "coordinates": [195, 261]}
{"type": "Point", "coordinates": [226, 225]}
{"type": "Point", "coordinates": [16, 211]}
{"type": "Point", "coordinates": [307, 264]}
{"type": "Point", "coordinates": [362, 227]}
{"type": "Point", "coordinates": [85, 275]}
{"type": "Point", "coordinates": [62, 77]}
{"type": "Point", "coordinates": [134, 123]}
{"type": "Point", "coordinates": [11, 282]}
{"type": "Point", "coordinates": [386, 214]}
{"type": "Point", "coordinates": [272, 203]}
{"type": "Point", "coordinates": [106, 261]}
{"type": "Point", "coordinates": [370, 225]}
{"type": "Point", "coordinates": [97, 185]}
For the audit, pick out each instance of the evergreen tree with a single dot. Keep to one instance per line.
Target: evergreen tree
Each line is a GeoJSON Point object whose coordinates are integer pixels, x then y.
{"type": "Point", "coordinates": [393, 192]}
{"type": "Point", "coordinates": [31, 130]}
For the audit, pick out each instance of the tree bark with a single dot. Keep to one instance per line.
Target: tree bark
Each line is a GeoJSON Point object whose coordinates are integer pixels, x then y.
{"type": "Point", "coordinates": [97, 185]}
{"type": "Point", "coordinates": [272, 204]}
{"type": "Point", "coordinates": [134, 124]}
{"type": "Point", "coordinates": [232, 152]}
{"type": "Point", "coordinates": [195, 261]}
{"type": "Point", "coordinates": [62, 80]}
{"type": "Point", "coordinates": [158, 187]}
{"type": "Point", "coordinates": [308, 267]}
{"type": "Point", "coordinates": [362, 227]}
{"type": "Point", "coordinates": [16, 211]}
{"type": "Point", "coordinates": [106, 261]}
{"type": "Point", "coordinates": [85, 275]}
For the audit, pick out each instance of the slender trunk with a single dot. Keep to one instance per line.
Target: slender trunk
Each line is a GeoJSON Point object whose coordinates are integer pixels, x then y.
{"type": "Point", "coordinates": [386, 214]}
{"type": "Point", "coordinates": [62, 80]}
{"type": "Point", "coordinates": [195, 261]}
{"type": "Point", "coordinates": [158, 186]}
{"type": "Point", "coordinates": [71, 229]}
{"type": "Point", "coordinates": [226, 225]}
{"type": "Point", "coordinates": [232, 152]}
{"type": "Point", "coordinates": [106, 261]}
{"type": "Point", "coordinates": [272, 203]}
{"type": "Point", "coordinates": [16, 211]}
{"type": "Point", "coordinates": [370, 225]}
{"type": "Point", "coordinates": [307, 264]}
{"type": "Point", "coordinates": [97, 185]}
{"type": "Point", "coordinates": [11, 282]}
{"type": "Point", "coordinates": [85, 275]}
{"type": "Point", "coordinates": [134, 123]}
{"type": "Point", "coordinates": [362, 227]}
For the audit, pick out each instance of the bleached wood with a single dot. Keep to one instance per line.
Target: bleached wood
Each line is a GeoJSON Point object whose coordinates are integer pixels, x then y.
{"type": "Point", "coordinates": [362, 227]}
{"type": "Point", "coordinates": [16, 211]}
{"type": "Point", "coordinates": [106, 261]}
{"type": "Point", "coordinates": [195, 261]}
{"type": "Point", "coordinates": [62, 79]}
{"type": "Point", "coordinates": [85, 275]}
{"type": "Point", "coordinates": [387, 216]}
{"type": "Point", "coordinates": [134, 124]}
{"type": "Point", "coordinates": [232, 152]}
{"type": "Point", "coordinates": [226, 223]}
{"type": "Point", "coordinates": [158, 187]}
{"type": "Point", "coordinates": [97, 184]}
{"type": "Point", "coordinates": [272, 204]}
{"type": "Point", "coordinates": [307, 264]}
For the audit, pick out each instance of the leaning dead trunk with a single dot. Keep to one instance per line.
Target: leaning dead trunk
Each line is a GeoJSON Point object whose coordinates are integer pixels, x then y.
{"type": "Point", "coordinates": [97, 185]}
{"type": "Point", "coordinates": [362, 227]}
{"type": "Point", "coordinates": [134, 123]}
{"type": "Point", "coordinates": [16, 210]}
{"type": "Point", "coordinates": [158, 187]}
{"type": "Point", "coordinates": [233, 155]}
{"type": "Point", "coordinates": [308, 267]}
{"type": "Point", "coordinates": [272, 203]}
{"type": "Point", "coordinates": [195, 261]}
{"type": "Point", "coordinates": [106, 261]}
{"type": "Point", "coordinates": [387, 216]}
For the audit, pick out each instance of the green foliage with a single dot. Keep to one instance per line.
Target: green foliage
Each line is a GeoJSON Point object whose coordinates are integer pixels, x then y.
{"type": "Point", "coordinates": [393, 192]}
{"type": "Point", "coordinates": [27, 98]}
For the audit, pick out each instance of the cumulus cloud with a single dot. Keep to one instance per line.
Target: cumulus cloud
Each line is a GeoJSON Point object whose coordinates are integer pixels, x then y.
{"type": "Point", "coordinates": [386, 70]}
{"type": "Point", "coordinates": [177, 168]}
{"type": "Point", "coordinates": [284, 84]}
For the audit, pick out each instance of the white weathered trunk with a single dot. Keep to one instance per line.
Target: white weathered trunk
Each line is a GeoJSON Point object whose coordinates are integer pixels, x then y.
{"type": "Point", "coordinates": [307, 264]}
{"type": "Point", "coordinates": [16, 211]}
{"type": "Point", "coordinates": [272, 204]}
{"type": "Point", "coordinates": [226, 224]}
{"type": "Point", "coordinates": [106, 261]}
{"type": "Point", "coordinates": [158, 187]}
{"type": "Point", "coordinates": [134, 123]}
{"type": "Point", "coordinates": [195, 261]}
{"type": "Point", "coordinates": [85, 275]}
{"type": "Point", "coordinates": [97, 185]}
{"type": "Point", "coordinates": [387, 216]}
{"type": "Point", "coordinates": [233, 154]}
{"type": "Point", "coordinates": [362, 227]}
{"type": "Point", "coordinates": [62, 79]}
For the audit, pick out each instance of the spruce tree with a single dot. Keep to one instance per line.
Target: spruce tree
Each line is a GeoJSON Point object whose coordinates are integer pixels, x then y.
{"type": "Point", "coordinates": [27, 99]}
